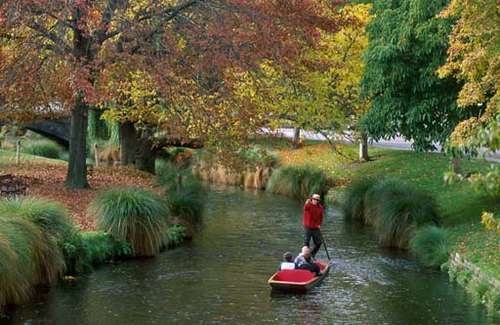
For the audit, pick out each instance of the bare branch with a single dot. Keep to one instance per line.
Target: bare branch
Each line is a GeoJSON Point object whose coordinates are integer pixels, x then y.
{"type": "Point", "coordinates": [166, 16]}
{"type": "Point", "coordinates": [102, 34]}
{"type": "Point", "coordinates": [58, 42]}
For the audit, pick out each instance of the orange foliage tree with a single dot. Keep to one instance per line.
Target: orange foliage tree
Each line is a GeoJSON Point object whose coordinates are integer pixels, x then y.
{"type": "Point", "coordinates": [62, 57]}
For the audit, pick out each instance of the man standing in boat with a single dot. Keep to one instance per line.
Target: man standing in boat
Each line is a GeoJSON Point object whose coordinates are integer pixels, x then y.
{"type": "Point", "coordinates": [312, 219]}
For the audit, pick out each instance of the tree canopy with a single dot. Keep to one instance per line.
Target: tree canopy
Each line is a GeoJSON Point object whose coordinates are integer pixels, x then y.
{"type": "Point", "coordinates": [407, 44]}
{"type": "Point", "coordinates": [320, 89]}
{"type": "Point", "coordinates": [63, 56]}
{"type": "Point", "coordinates": [473, 57]}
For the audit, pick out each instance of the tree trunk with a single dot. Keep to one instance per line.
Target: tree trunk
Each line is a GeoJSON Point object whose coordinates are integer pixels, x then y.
{"type": "Point", "coordinates": [145, 159]}
{"type": "Point", "coordinates": [18, 151]}
{"type": "Point", "coordinates": [92, 126]}
{"type": "Point", "coordinates": [296, 137]}
{"type": "Point", "coordinates": [96, 155]}
{"type": "Point", "coordinates": [455, 165]}
{"type": "Point", "coordinates": [128, 145]}
{"type": "Point", "coordinates": [114, 133]}
{"type": "Point", "coordinates": [363, 148]}
{"type": "Point", "coordinates": [77, 167]}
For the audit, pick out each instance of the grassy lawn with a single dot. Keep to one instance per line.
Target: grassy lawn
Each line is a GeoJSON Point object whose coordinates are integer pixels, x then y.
{"type": "Point", "coordinates": [460, 205]}
{"type": "Point", "coordinates": [8, 157]}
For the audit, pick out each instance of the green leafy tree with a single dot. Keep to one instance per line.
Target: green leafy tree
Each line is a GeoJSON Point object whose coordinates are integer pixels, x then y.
{"type": "Point", "coordinates": [407, 44]}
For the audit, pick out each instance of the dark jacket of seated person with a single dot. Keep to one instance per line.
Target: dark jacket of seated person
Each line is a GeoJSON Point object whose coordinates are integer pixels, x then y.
{"type": "Point", "coordinates": [305, 261]}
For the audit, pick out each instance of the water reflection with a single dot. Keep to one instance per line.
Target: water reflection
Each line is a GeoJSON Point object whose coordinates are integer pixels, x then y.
{"type": "Point", "coordinates": [221, 278]}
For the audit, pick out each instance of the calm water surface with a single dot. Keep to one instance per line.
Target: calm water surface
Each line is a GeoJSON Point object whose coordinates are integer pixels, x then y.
{"type": "Point", "coordinates": [221, 278]}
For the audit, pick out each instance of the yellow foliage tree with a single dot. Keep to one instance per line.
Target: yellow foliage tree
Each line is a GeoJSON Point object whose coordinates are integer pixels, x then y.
{"type": "Point", "coordinates": [320, 90]}
{"type": "Point", "coordinates": [473, 56]}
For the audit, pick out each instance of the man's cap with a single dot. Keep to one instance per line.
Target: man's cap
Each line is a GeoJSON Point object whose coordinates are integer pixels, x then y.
{"type": "Point", "coordinates": [316, 196]}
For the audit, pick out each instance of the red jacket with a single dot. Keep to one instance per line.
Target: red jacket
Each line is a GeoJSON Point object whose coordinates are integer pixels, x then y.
{"type": "Point", "coordinates": [313, 216]}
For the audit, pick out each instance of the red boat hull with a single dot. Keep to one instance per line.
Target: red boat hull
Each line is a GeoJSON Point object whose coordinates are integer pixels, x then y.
{"type": "Point", "coordinates": [299, 281]}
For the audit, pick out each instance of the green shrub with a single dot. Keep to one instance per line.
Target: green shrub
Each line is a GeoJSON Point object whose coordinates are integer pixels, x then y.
{"type": "Point", "coordinates": [166, 174]}
{"type": "Point", "coordinates": [298, 182]}
{"type": "Point", "coordinates": [258, 156]}
{"type": "Point", "coordinates": [135, 215]}
{"type": "Point", "coordinates": [175, 235]}
{"type": "Point", "coordinates": [44, 148]}
{"type": "Point", "coordinates": [85, 249]}
{"type": "Point", "coordinates": [185, 193]}
{"type": "Point", "coordinates": [430, 246]}
{"type": "Point", "coordinates": [353, 204]}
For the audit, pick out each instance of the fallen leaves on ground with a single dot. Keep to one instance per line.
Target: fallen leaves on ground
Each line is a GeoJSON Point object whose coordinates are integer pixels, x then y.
{"type": "Point", "coordinates": [47, 180]}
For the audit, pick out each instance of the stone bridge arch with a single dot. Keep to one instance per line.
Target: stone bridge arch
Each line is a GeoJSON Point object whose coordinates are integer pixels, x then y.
{"type": "Point", "coordinates": [56, 130]}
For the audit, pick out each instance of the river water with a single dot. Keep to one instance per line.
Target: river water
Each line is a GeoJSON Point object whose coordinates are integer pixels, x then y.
{"type": "Point", "coordinates": [221, 278]}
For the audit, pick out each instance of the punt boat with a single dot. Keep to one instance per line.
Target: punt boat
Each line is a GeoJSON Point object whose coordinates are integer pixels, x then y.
{"type": "Point", "coordinates": [298, 281]}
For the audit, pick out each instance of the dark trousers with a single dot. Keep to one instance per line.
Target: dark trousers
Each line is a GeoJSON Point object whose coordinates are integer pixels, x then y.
{"type": "Point", "coordinates": [311, 267]}
{"type": "Point", "coordinates": [315, 234]}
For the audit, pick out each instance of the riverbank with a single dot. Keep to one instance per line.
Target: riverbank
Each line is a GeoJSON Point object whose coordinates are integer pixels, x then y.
{"type": "Point", "coordinates": [203, 282]}
{"type": "Point", "coordinates": [459, 204]}
{"type": "Point", "coordinates": [50, 232]}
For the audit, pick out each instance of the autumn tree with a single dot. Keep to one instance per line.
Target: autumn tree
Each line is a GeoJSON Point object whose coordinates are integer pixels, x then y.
{"type": "Point", "coordinates": [407, 44]}
{"type": "Point", "coordinates": [474, 58]}
{"type": "Point", "coordinates": [320, 89]}
{"type": "Point", "coordinates": [65, 56]}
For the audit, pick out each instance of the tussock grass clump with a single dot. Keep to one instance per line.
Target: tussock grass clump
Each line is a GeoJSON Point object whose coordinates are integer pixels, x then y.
{"type": "Point", "coordinates": [29, 257]}
{"type": "Point", "coordinates": [392, 207]}
{"type": "Point", "coordinates": [50, 216]}
{"type": "Point", "coordinates": [185, 196]}
{"type": "Point", "coordinates": [44, 148]}
{"type": "Point", "coordinates": [353, 204]}
{"type": "Point", "coordinates": [16, 266]}
{"type": "Point", "coordinates": [134, 215]}
{"type": "Point", "coordinates": [430, 246]}
{"type": "Point", "coordinates": [298, 182]}
{"type": "Point", "coordinates": [396, 210]}
{"type": "Point", "coordinates": [53, 226]}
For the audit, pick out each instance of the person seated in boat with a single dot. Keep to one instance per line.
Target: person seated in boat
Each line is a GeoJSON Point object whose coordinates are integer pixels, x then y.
{"type": "Point", "coordinates": [287, 263]}
{"type": "Point", "coordinates": [305, 261]}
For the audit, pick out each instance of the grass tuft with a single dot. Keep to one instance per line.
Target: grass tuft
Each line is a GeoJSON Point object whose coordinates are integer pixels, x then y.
{"type": "Point", "coordinates": [50, 216]}
{"type": "Point", "coordinates": [298, 182]}
{"type": "Point", "coordinates": [53, 226]}
{"type": "Point", "coordinates": [134, 215]}
{"type": "Point", "coordinates": [430, 246]}
{"type": "Point", "coordinates": [30, 256]}
{"type": "Point", "coordinates": [16, 278]}
{"type": "Point", "coordinates": [395, 209]}
{"type": "Point", "coordinates": [353, 204]}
